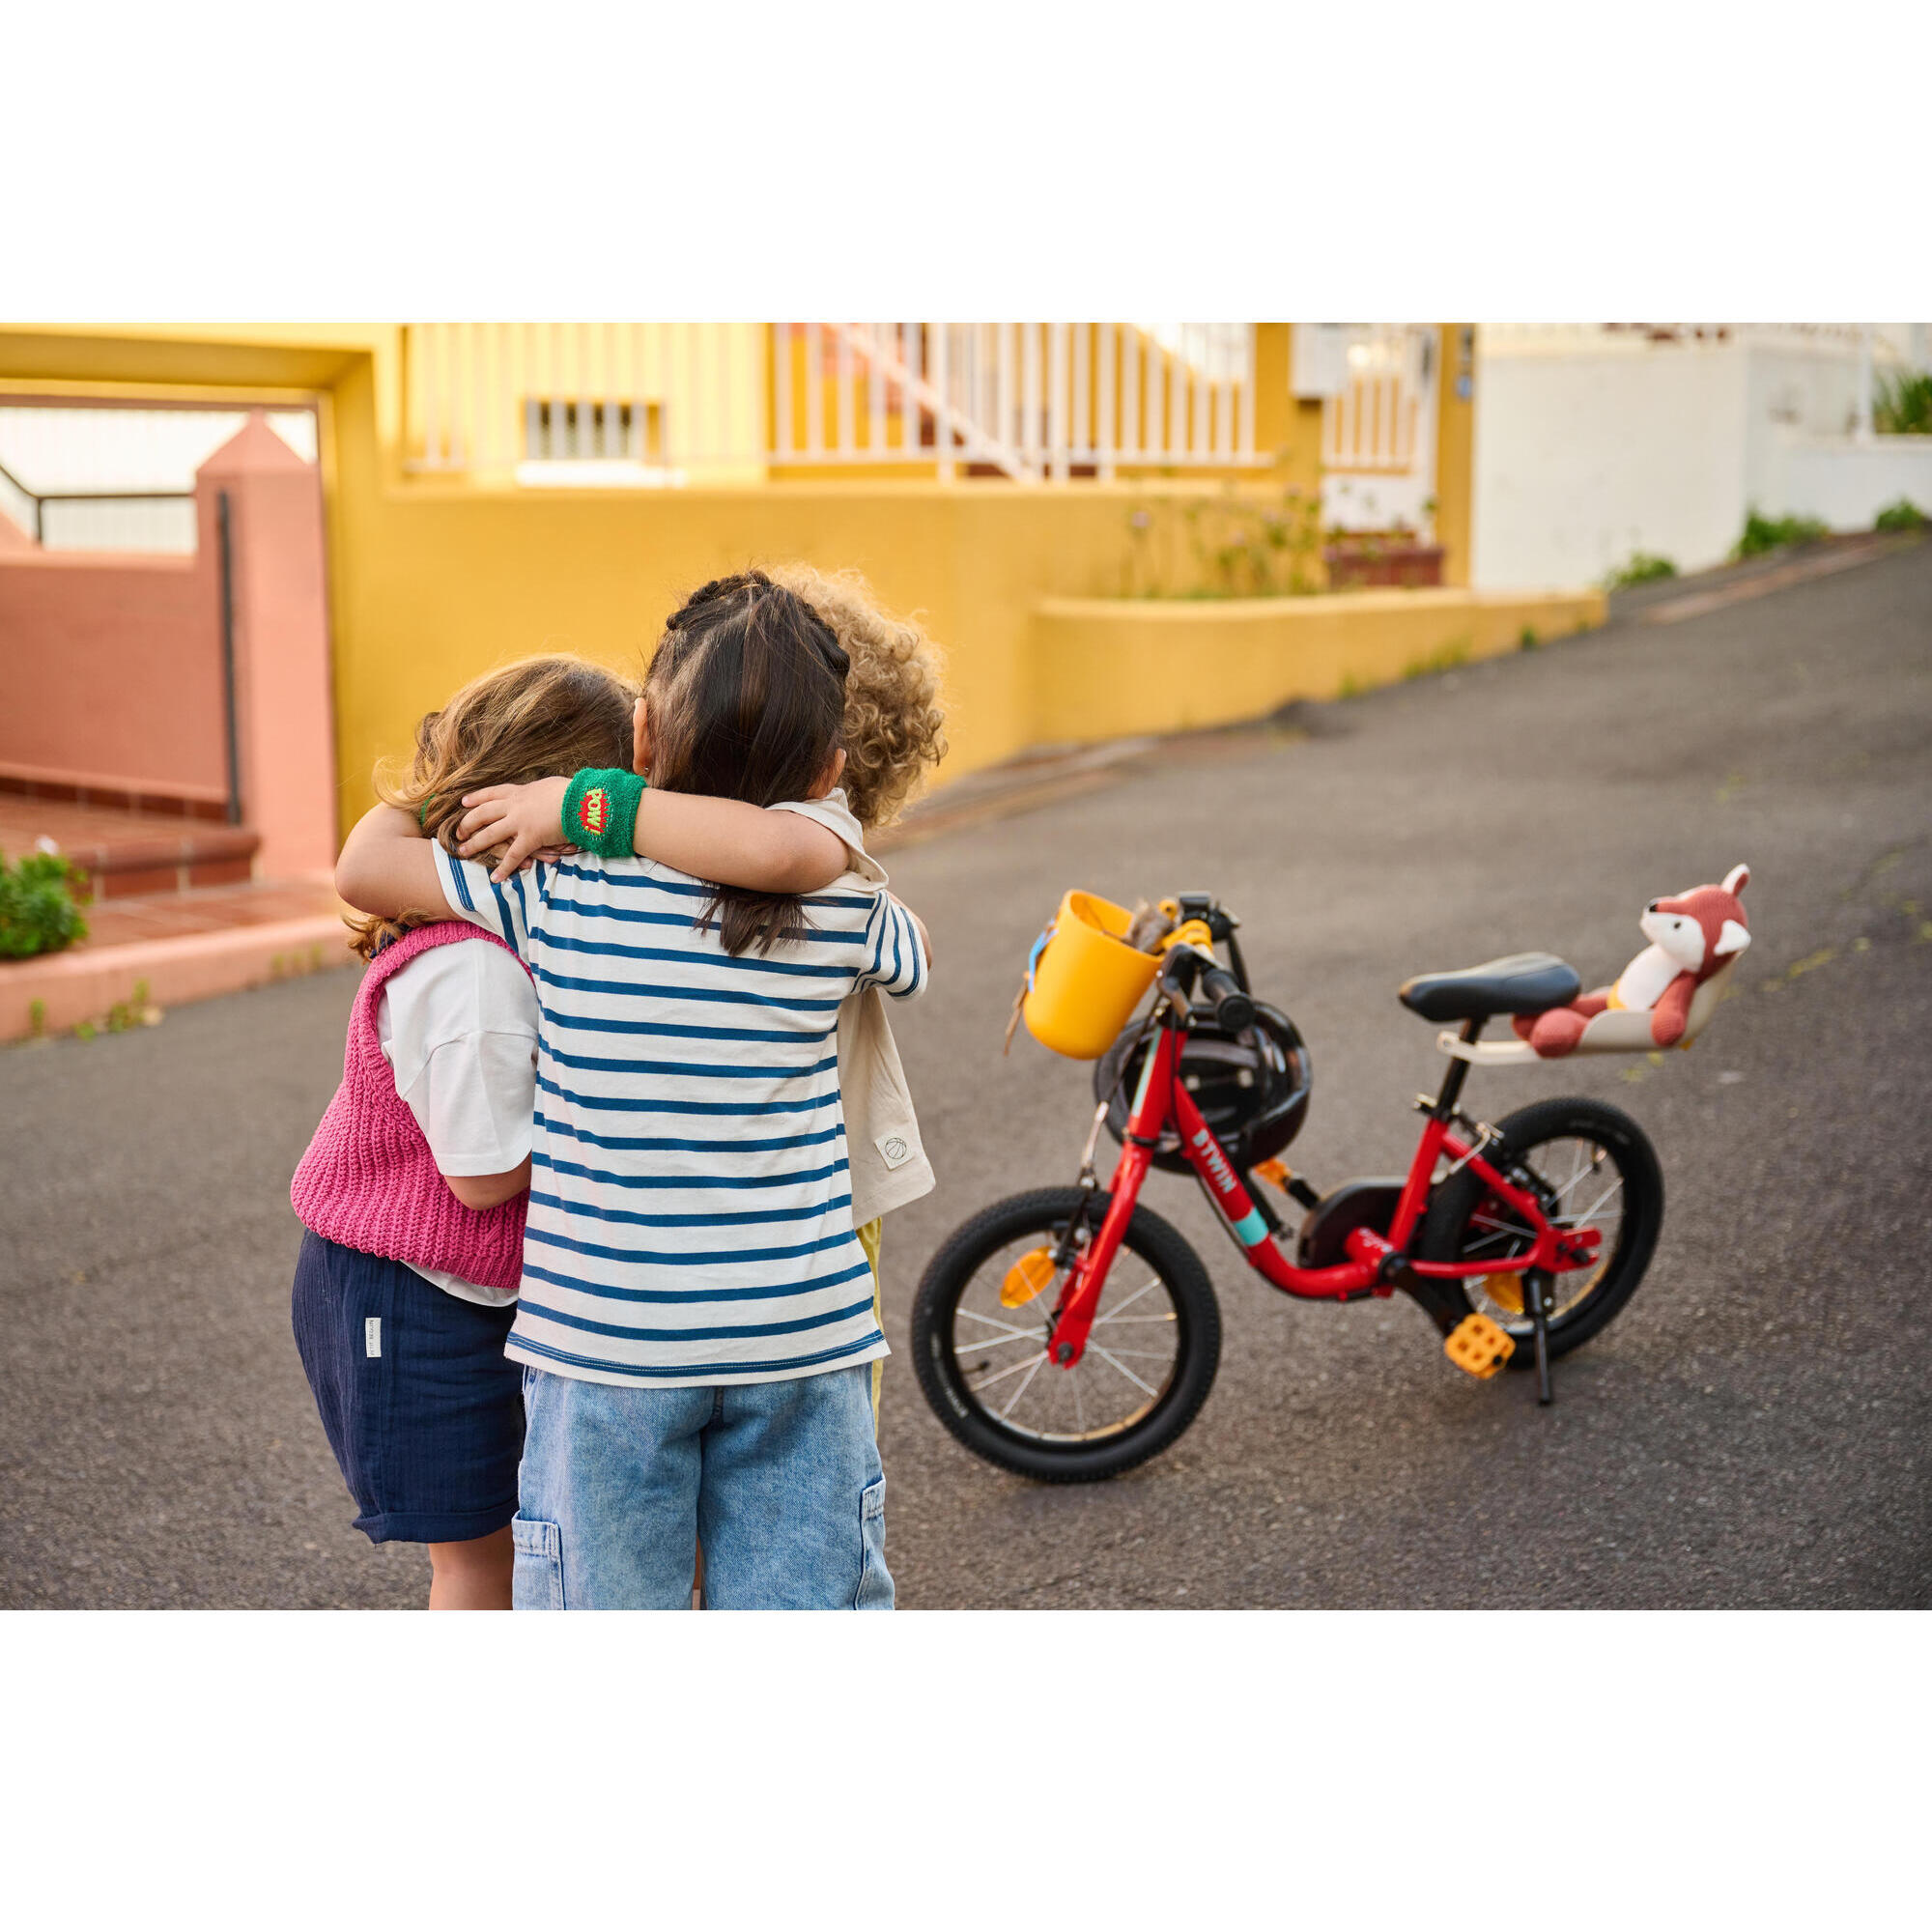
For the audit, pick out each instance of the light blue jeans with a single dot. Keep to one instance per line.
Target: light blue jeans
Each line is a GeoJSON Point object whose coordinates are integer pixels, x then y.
{"type": "Point", "coordinates": [781, 1481]}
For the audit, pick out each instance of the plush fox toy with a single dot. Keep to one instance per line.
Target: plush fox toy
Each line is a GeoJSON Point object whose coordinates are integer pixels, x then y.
{"type": "Point", "coordinates": [1692, 938]}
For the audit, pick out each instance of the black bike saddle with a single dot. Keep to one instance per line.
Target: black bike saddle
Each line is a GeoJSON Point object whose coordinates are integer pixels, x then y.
{"type": "Point", "coordinates": [1525, 982]}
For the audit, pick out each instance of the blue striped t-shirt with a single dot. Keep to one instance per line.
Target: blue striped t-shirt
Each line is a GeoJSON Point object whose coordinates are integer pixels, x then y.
{"type": "Point", "coordinates": [690, 1212]}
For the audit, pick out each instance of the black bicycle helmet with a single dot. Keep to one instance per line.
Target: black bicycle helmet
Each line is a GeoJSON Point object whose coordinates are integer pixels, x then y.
{"type": "Point", "coordinates": [1252, 1086]}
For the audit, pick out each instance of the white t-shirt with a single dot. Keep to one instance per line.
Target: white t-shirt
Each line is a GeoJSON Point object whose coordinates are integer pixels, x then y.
{"type": "Point", "coordinates": [459, 1026]}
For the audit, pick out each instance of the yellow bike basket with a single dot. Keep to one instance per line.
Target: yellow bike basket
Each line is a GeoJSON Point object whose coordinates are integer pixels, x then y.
{"type": "Point", "coordinates": [1084, 979]}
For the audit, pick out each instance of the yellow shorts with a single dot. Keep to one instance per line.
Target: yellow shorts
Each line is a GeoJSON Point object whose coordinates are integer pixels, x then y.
{"type": "Point", "coordinates": [868, 1240]}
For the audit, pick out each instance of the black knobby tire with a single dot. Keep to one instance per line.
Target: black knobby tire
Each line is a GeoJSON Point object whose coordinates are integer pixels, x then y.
{"type": "Point", "coordinates": [1594, 1301]}
{"type": "Point", "coordinates": [1150, 1244]}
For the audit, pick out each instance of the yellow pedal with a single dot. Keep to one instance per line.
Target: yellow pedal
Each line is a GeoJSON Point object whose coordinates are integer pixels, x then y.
{"type": "Point", "coordinates": [1478, 1346]}
{"type": "Point", "coordinates": [1277, 1174]}
{"type": "Point", "coordinates": [1027, 1276]}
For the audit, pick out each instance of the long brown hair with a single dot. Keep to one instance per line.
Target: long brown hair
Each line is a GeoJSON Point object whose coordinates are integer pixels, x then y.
{"type": "Point", "coordinates": [747, 692]}
{"type": "Point", "coordinates": [543, 717]}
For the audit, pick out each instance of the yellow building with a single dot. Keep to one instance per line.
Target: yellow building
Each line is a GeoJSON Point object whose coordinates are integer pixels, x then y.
{"type": "Point", "coordinates": [493, 490]}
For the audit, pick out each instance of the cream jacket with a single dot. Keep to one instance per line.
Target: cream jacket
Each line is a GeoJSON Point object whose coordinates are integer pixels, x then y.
{"type": "Point", "coordinates": [882, 1145]}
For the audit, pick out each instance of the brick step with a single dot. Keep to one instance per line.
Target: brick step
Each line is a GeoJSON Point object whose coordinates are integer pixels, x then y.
{"type": "Point", "coordinates": [123, 853]}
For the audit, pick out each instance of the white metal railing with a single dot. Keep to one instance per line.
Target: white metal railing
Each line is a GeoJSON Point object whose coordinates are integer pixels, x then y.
{"type": "Point", "coordinates": [1381, 422]}
{"type": "Point", "coordinates": [1845, 339]}
{"type": "Point", "coordinates": [1032, 401]}
{"type": "Point", "coordinates": [676, 402]}
{"type": "Point", "coordinates": [108, 476]}
{"type": "Point", "coordinates": [1378, 431]}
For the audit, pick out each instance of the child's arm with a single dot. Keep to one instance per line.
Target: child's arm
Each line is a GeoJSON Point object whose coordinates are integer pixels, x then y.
{"type": "Point", "coordinates": [721, 840]}
{"type": "Point", "coordinates": [481, 1191]}
{"type": "Point", "coordinates": [924, 937]}
{"type": "Point", "coordinates": [897, 962]}
{"type": "Point", "coordinates": [387, 867]}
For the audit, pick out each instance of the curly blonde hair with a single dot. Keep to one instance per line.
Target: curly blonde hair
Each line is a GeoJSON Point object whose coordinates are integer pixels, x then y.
{"type": "Point", "coordinates": [894, 727]}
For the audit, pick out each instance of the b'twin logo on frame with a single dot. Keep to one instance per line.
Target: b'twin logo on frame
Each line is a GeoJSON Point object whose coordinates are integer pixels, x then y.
{"type": "Point", "coordinates": [1217, 1164]}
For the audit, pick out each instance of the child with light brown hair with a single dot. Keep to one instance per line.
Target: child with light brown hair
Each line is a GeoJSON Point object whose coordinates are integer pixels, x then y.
{"type": "Point", "coordinates": [412, 1192]}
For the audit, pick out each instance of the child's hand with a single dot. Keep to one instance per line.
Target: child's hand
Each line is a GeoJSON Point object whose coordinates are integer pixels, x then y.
{"type": "Point", "coordinates": [526, 821]}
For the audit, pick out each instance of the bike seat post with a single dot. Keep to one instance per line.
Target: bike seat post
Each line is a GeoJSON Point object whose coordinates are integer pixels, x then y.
{"type": "Point", "coordinates": [1455, 1074]}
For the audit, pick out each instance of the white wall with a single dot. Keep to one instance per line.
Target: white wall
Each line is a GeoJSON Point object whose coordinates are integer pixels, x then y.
{"type": "Point", "coordinates": [1583, 458]}
{"type": "Point", "coordinates": [1589, 449]}
{"type": "Point", "coordinates": [1846, 484]}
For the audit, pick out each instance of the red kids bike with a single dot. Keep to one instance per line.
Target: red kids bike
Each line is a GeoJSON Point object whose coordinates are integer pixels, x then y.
{"type": "Point", "coordinates": [1070, 1333]}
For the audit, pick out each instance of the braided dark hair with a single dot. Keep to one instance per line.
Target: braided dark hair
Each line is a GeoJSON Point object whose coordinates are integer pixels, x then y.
{"type": "Point", "coordinates": [746, 694]}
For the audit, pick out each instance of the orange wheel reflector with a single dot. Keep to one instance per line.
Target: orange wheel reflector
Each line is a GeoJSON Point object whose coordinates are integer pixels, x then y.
{"type": "Point", "coordinates": [1505, 1290]}
{"type": "Point", "coordinates": [1027, 1276]}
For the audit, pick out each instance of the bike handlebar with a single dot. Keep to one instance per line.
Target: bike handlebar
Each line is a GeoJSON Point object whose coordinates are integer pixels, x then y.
{"type": "Point", "coordinates": [1233, 1008]}
{"type": "Point", "coordinates": [1189, 966]}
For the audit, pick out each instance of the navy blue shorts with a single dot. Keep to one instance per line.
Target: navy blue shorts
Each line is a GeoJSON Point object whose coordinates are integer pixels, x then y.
{"type": "Point", "coordinates": [424, 1414]}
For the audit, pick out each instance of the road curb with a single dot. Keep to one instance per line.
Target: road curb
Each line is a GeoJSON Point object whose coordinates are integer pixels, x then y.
{"type": "Point", "coordinates": [71, 987]}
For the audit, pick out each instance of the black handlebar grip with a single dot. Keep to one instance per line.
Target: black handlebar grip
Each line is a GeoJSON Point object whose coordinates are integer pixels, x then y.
{"type": "Point", "coordinates": [1233, 1008]}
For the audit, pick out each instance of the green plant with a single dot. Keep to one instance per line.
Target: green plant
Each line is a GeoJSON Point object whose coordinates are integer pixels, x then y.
{"type": "Point", "coordinates": [38, 913]}
{"type": "Point", "coordinates": [1234, 545]}
{"type": "Point", "coordinates": [1903, 515]}
{"type": "Point", "coordinates": [1641, 567]}
{"type": "Point", "coordinates": [1763, 533]}
{"type": "Point", "coordinates": [1903, 405]}
{"type": "Point", "coordinates": [1528, 639]}
{"type": "Point", "coordinates": [37, 1018]}
{"type": "Point", "coordinates": [1444, 657]}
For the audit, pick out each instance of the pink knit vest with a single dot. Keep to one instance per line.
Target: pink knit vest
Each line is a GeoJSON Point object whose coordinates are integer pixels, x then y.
{"type": "Point", "coordinates": [369, 1180]}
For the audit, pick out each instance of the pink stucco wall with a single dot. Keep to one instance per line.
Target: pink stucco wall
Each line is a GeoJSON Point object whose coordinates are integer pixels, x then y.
{"type": "Point", "coordinates": [111, 667]}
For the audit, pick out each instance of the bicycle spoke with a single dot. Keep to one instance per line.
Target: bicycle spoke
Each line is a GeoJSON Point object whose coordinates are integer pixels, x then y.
{"type": "Point", "coordinates": [1037, 1362]}
{"type": "Point", "coordinates": [1121, 1366]}
{"type": "Point", "coordinates": [974, 1314]}
{"type": "Point", "coordinates": [1128, 1302]}
{"type": "Point", "coordinates": [973, 1346]}
{"type": "Point", "coordinates": [1589, 1214]}
{"type": "Point", "coordinates": [989, 1380]}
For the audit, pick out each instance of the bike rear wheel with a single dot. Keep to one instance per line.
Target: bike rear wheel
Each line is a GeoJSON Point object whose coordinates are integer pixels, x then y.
{"type": "Point", "coordinates": [984, 1362]}
{"type": "Point", "coordinates": [1591, 1166]}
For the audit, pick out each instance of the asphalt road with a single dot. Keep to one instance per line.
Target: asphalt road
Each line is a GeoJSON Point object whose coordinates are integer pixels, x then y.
{"type": "Point", "coordinates": [1751, 1431]}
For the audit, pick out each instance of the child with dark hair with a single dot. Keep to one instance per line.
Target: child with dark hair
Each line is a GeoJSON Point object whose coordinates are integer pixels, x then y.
{"type": "Point", "coordinates": [695, 1318]}
{"type": "Point", "coordinates": [893, 734]}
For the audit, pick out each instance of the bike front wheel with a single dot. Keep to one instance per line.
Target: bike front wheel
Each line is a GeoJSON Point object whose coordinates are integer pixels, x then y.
{"type": "Point", "coordinates": [979, 1338]}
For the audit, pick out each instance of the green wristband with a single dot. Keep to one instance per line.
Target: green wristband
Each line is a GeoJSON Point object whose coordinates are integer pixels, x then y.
{"type": "Point", "coordinates": [600, 811]}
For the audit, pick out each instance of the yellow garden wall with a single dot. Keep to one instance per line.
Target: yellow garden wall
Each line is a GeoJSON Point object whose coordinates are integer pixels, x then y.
{"type": "Point", "coordinates": [1107, 667]}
